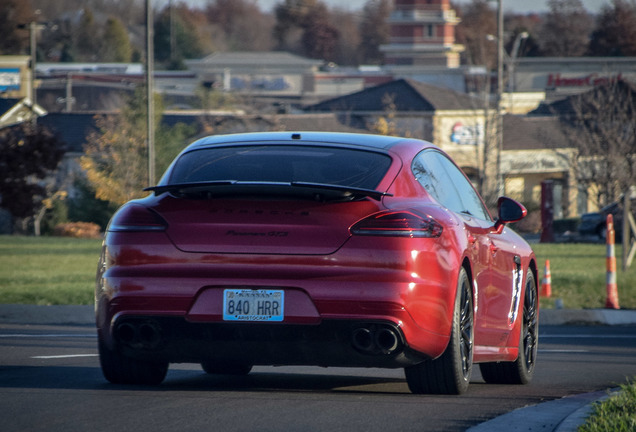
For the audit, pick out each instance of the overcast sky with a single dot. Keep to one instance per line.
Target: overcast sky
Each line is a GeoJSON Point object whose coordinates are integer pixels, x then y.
{"type": "Point", "coordinates": [519, 6]}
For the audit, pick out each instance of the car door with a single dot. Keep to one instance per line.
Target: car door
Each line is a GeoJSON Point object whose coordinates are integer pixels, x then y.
{"type": "Point", "coordinates": [494, 265]}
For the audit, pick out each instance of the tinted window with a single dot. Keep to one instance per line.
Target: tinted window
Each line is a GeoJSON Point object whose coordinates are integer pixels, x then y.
{"type": "Point", "coordinates": [447, 184]}
{"type": "Point", "coordinates": [435, 180]}
{"type": "Point", "coordinates": [325, 165]}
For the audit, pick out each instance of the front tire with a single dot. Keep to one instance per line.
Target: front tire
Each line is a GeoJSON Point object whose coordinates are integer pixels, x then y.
{"type": "Point", "coordinates": [450, 373]}
{"type": "Point", "coordinates": [119, 369]}
{"type": "Point", "coordinates": [521, 370]}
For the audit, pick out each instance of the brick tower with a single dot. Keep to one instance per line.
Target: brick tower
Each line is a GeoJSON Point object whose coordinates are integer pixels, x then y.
{"type": "Point", "coordinates": [422, 34]}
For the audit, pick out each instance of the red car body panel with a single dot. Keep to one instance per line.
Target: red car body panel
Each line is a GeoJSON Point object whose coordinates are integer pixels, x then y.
{"type": "Point", "coordinates": [328, 274]}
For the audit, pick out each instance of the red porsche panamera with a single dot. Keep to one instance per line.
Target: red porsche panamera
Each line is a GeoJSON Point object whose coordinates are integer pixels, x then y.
{"type": "Point", "coordinates": [317, 249]}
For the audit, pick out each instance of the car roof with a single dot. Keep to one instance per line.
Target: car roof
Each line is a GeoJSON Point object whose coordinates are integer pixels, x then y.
{"type": "Point", "coordinates": [336, 138]}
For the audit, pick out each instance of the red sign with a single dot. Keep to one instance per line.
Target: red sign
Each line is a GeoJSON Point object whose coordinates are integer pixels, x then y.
{"type": "Point", "coordinates": [556, 80]}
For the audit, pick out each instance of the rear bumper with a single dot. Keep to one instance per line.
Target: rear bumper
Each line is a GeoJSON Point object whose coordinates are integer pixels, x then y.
{"type": "Point", "coordinates": [359, 286]}
{"type": "Point", "coordinates": [350, 343]}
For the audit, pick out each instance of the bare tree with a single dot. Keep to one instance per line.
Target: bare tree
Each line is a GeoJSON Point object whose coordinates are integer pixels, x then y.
{"type": "Point", "coordinates": [478, 23]}
{"type": "Point", "coordinates": [13, 12]}
{"type": "Point", "coordinates": [303, 26]}
{"type": "Point", "coordinates": [601, 127]}
{"type": "Point", "coordinates": [615, 32]}
{"type": "Point", "coordinates": [565, 31]}
{"type": "Point", "coordinates": [243, 25]}
{"type": "Point", "coordinates": [374, 30]}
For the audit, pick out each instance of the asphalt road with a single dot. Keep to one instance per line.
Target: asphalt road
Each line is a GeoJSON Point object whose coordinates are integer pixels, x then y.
{"type": "Point", "coordinates": [50, 380]}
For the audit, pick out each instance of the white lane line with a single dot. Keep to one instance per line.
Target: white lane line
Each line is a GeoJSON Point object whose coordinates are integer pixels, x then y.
{"type": "Point", "coordinates": [26, 336]}
{"type": "Point", "coordinates": [64, 356]}
{"type": "Point", "coordinates": [562, 351]}
{"type": "Point", "coordinates": [587, 336]}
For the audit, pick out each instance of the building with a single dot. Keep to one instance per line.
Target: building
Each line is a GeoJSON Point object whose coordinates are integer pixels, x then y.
{"type": "Point", "coordinates": [534, 147]}
{"type": "Point", "coordinates": [563, 76]}
{"type": "Point", "coordinates": [422, 35]}
{"type": "Point", "coordinates": [15, 77]}
{"type": "Point", "coordinates": [452, 120]}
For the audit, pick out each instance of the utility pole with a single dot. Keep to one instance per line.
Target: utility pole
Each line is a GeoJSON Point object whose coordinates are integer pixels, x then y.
{"type": "Point", "coordinates": [500, 84]}
{"type": "Point", "coordinates": [33, 27]}
{"type": "Point", "coordinates": [150, 112]}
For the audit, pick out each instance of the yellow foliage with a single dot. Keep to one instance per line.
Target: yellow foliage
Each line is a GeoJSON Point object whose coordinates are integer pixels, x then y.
{"type": "Point", "coordinates": [115, 160]}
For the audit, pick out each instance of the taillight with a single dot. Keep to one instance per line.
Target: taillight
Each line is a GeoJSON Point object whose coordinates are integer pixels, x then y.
{"type": "Point", "coordinates": [398, 224]}
{"type": "Point", "coordinates": [135, 217]}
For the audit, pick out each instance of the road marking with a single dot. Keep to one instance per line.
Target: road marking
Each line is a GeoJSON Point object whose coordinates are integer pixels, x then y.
{"type": "Point", "coordinates": [587, 336]}
{"type": "Point", "coordinates": [69, 335]}
{"type": "Point", "coordinates": [64, 356]}
{"type": "Point", "coordinates": [561, 351]}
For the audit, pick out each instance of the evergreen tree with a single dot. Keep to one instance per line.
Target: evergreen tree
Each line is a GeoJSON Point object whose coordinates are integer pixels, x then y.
{"type": "Point", "coordinates": [115, 46]}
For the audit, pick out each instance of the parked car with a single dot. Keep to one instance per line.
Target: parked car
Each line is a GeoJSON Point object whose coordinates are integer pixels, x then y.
{"type": "Point", "coordinates": [320, 249]}
{"type": "Point", "coordinates": [595, 223]}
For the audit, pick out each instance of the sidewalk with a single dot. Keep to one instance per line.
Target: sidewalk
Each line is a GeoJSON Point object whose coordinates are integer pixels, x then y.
{"type": "Point", "coordinates": [561, 415]}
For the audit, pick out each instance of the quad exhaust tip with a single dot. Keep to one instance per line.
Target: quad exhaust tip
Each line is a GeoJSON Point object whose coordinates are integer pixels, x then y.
{"type": "Point", "coordinates": [139, 334]}
{"type": "Point", "coordinates": [376, 339]}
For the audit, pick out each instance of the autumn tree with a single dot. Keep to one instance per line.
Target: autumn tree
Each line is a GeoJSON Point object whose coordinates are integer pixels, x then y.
{"type": "Point", "coordinates": [14, 41]}
{"type": "Point", "coordinates": [115, 157]}
{"type": "Point", "coordinates": [565, 31]}
{"type": "Point", "coordinates": [243, 26]}
{"type": "Point", "coordinates": [320, 38]}
{"type": "Point", "coordinates": [29, 156]}
{"type": "Point", "coordinates": [615, 31]}
{"type": "Point", "coordinates": [374, 30]}
{"type": "Point", "coordinates": [303, 26]}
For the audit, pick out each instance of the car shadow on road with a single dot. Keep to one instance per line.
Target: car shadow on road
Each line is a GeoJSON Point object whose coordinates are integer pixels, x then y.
{"type": "Point", "coordinates": [91, 378]}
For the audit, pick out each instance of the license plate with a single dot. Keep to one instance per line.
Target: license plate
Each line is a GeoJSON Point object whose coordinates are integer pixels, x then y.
{"type": "Point", "coordinates": [253, 305]}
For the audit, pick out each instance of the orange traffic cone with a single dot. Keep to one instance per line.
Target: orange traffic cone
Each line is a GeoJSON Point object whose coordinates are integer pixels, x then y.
{"type": "Point", "coordinates": [611, 288]}
{"type": "Point", "coordinates": [546, 282]}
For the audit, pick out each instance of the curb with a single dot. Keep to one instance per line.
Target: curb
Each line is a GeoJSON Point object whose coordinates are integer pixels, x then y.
{"type": "Point", "coordinates": [587, 317]}
{"type": "Point", "coordinates": [560, 415]}
{"type": "Point", "coordinates": [47, 315]}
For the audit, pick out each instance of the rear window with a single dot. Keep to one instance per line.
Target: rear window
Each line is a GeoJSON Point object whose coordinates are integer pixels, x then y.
{"type": "Point", "coordinates": [283, 163]}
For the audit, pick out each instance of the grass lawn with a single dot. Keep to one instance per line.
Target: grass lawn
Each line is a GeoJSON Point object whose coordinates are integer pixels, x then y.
{"type": "Point", "coordinates": [578, 273]}
{"type": "Point", "coordinates": [47, 270]}
{"type": "Point", "coordinates": [618, 413]}
{"type": "Point", "coordinates": [55, 270]}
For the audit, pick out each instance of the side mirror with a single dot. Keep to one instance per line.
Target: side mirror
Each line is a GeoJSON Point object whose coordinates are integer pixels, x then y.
{"type": "Point", "coordinates": [508, 210]}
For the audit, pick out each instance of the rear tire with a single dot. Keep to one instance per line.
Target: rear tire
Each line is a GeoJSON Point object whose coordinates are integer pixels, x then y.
{"type": "Point", "coordinates": [450, 373]}
{"type": "Point", "coordinates": [119, 369]}
{"type": "Point", "coordinates": [521, 370]}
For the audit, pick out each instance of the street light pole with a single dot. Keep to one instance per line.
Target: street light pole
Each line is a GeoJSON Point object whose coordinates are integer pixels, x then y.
{"type": "Point", "coordinates": [150, 112]}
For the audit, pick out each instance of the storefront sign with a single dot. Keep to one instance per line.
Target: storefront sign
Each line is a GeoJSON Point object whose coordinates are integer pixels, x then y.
{"type": "Point", "coordinates": [466, 135]}
{"type": "Point", "coordinates": [9, 79]}
{"type": "Point", "coordinates": [591, 80]}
